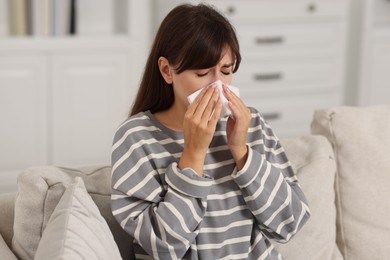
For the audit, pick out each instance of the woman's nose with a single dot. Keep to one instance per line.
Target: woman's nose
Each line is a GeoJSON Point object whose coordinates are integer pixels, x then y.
{"type": "Point", "coordinates": [217, 82]}
{"type": "Point", "coordinates": [217, 77]}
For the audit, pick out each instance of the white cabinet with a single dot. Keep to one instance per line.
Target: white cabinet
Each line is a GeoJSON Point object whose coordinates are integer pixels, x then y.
{"type": "Point", "coordinates": [61, 105]}
{"type": "Point", "coordinates": [293, 56]}
{"type": "Point", "coordinates": [369, 79]}
{"type": "Point", "coordinates": [62, 98]}
{"type": "Point", "coordinates": [89, 97]}
{"type": "Point", "coordinates": [23, 112]}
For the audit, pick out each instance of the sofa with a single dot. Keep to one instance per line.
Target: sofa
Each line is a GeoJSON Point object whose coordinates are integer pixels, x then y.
{"type": "Point", "coordinates": [343, 167]}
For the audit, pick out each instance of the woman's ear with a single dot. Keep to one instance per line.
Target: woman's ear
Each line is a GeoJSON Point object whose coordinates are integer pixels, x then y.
{"type": "Point", "coordinates": [165, 70]}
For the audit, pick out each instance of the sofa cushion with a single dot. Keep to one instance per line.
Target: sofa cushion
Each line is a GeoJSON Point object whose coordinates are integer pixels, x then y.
{"type": "Point", "coordinates": [361, 141]}
{"type": "Point", "coordinates": [39, 191]}
{"type": "Point", "coordinates": [313, 161]}
{"type": "Point", "coordinates": [76, 230]}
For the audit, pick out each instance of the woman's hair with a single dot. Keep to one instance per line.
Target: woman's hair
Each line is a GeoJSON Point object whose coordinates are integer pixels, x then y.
{"type": "Point", "coordinates": [190, 37]}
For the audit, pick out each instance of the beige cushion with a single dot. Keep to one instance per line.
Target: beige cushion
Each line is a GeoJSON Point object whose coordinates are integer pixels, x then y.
{"type": "Point", "coordinates": [5, 252]}
{"type": "Point", "coordinates": [361, 141]}
{"type": "Point", "coordinates": [76, 230]}
{"type": "Point", "coordinates": [39, 191]}
{"type": "Point", "coordinates": [313, 161]}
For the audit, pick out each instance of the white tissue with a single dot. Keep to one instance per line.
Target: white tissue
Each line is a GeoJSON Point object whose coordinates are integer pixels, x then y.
{"type": "Point", "coordinates": [225, 106]}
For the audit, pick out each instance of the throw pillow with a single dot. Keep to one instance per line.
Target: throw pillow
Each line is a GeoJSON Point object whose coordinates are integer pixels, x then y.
{"type": "Point", "coordinates": [313, 161]}
{"type": "Point", "coordinates": [76, 230]}
{"type": "Point", "coordinates": [39, 191]}
{"type": "Point", "coordinates": [361, 140]}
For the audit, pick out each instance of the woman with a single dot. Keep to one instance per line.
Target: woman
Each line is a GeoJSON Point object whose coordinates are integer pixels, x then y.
{"type": "Point", "coordinates": [185, 183]}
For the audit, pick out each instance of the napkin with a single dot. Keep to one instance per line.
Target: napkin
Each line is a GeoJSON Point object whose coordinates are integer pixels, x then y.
{"type": "Point", "coordinates": [225, 112]}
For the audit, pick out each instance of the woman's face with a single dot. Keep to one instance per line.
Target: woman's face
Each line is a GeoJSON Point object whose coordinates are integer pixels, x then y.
{"type": "Point", "coordinates": [189, 81]}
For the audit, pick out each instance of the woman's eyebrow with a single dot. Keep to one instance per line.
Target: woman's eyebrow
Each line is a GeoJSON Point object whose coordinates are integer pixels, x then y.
{"type": "Point", "coordinates": [227, 65]}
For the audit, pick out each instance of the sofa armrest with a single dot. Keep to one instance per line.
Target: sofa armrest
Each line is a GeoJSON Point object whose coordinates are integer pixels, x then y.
{"type": "Point", "coordinates": [7, 202]}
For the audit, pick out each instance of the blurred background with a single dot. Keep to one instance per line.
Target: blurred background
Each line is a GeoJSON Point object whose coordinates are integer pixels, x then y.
{"type": "Point", "coordinates": [69, 69]}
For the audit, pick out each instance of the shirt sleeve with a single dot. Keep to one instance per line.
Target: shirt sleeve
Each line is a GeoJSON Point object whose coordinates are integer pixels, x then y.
{"type": "Point", "coordinates": [161, 207]}
{"type": "Point", "coordinates": [270, 186]}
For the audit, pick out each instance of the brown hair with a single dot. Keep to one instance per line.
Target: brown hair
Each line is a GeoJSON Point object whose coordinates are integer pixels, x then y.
{"type": "Point", "coordinates": [190, 37]}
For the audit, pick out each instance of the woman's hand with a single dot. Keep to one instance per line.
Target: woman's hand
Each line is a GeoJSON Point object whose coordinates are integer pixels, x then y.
{"type": "Point", "coordinates": [199, 125]}
{"type": "Point", "coordinates": [237, 128]}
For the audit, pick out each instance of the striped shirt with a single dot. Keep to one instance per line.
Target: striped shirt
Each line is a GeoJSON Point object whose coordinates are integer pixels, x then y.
{"type": "Point", "coordinates": [173, 213]}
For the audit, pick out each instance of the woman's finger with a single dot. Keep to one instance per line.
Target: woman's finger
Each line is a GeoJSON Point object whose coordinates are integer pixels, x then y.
{"type": "Point", "coordinates": [194, 105]}
{"type": "Point", "coordinates": [236, 104]}
{"type": "Point", "coordinates": [217, 112]}
{"type": "Point", "coordinates": [202, 103]}
{"type": "Point", "coordinates": [210, 106]}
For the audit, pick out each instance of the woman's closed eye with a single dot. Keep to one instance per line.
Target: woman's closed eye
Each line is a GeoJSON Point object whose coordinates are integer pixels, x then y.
{"type": "Point", "coordinates": [202, 74]}
{"type": "Point", "coordinates": [206, 73]}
